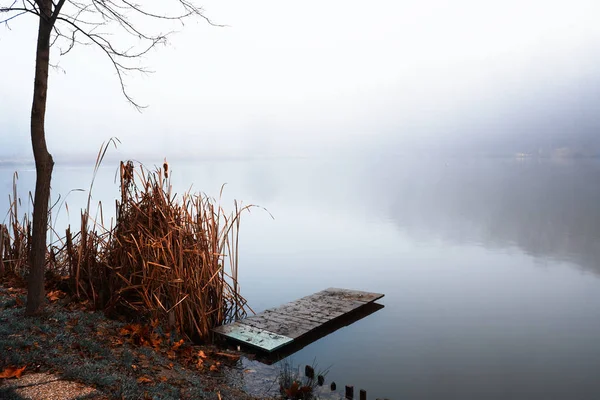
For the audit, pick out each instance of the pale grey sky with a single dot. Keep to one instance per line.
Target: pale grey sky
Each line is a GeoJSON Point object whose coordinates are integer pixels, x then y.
{"type": "Point", "coordinates": [300, 77]}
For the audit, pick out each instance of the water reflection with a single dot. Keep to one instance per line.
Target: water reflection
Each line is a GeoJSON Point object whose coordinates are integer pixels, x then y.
{"type": "Point", "coordinates": [546, 209]}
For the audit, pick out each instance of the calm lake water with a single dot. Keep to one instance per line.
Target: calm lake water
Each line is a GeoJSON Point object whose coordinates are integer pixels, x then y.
{"type": "Point", "coordinates": [490, 267]}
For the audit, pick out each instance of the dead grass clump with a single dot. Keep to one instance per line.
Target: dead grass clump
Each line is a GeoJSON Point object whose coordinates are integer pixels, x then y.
{"type": "Point", "coordinates": [164, 256]}
{"type": "Point", "coordinates": [176, 259]}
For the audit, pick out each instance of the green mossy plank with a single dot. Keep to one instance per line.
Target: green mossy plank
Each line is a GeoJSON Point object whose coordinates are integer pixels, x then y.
{"type": "Point", "coordinates": [253, 336]}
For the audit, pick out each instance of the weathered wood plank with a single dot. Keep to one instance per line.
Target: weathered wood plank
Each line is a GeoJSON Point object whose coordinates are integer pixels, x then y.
{"type": "Point", "coordinates": [289, 327]}
{"type": "Point", "coordinates": [311, 318]}
{"type": "Point", "coordinates": [290, 330]}
{"type": "Point", "coordinates": [307, 314]}
{"type": "Point", "coordinates": [313, 312]}
{"type": "Point", "coordinates": [356, 295]}
{"type": "Point", "coordinates": [283, 318]}
{"type": "Point", "coordinates": [317, 306]}
{"type": "Point", "coordinates": [279, 326]}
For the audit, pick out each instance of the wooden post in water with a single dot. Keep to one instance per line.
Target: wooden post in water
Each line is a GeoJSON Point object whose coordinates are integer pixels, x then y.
{"type": "Point", "coordinates": [363, 394]}
{"type": "Point", "coordinates": [349, 392]}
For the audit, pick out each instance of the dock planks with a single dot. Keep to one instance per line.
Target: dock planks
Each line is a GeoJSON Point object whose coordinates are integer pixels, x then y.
{"type": "Point", "coordinates": [281, 326]}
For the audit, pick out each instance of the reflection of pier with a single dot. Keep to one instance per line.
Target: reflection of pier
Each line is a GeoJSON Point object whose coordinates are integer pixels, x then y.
{"type": "Point", "coordinates": [296, 324]}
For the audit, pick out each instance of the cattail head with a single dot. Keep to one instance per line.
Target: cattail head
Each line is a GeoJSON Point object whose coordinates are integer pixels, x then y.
{"type": "Point", "coordinates": [166, 168]}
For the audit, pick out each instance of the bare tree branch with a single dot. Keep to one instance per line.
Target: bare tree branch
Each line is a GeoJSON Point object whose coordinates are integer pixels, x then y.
{"type": "Point", "coordinates": [5, 21]}
{"type": "Point", "coordinates": [106, 47]}
{"type": "Point", "coordinates": [58, 6]}
{"type": "Point", "coordinates": [98, 22]}
{"type": "Point", "coordinates": [18, 10]}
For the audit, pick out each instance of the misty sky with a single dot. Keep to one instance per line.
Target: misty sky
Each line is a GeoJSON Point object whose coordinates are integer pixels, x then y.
{"type": "Point", "coordinates": [293, 78]}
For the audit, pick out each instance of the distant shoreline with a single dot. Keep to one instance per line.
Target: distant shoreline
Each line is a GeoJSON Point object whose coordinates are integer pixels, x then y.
{"type": "Point", "coordinates": [60, 161]}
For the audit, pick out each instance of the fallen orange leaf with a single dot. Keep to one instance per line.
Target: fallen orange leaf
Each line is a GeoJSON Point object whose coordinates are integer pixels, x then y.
{"type": "Point", "coordinates": [201, 354]}
{"type": "Point", "coordinates": [117, 341]}
{"type": "Point", "coordinates": [130, 329]}
{"type": "Point", "coordinates": [55, 295]}
{"type": "Point", "coordinates": [144, 379]}
{"type": "Point", "coordinates": [176, 345]}
{"type": "Point", "coordinates": [12, 372]}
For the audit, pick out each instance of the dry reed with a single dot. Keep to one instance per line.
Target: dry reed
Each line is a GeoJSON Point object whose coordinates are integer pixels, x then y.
{"type": "Point", "coordinates": [167, 257]}
{"type": "Point", "coordinates": [14, 237]}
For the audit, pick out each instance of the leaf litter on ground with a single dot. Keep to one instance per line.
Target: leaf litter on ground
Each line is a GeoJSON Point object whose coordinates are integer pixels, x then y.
{"type": "Point", "coordinates": [124, 360]}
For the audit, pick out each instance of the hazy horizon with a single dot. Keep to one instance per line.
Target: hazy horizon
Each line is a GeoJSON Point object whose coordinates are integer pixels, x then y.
{"type": "Point", "coordinates": [288, 80]}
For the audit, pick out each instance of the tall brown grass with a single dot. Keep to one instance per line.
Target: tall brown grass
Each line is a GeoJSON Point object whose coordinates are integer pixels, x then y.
{"type": "Point", "coordinates": [14, 237]}
{"type": "Point", "coordinates": [163, 256]}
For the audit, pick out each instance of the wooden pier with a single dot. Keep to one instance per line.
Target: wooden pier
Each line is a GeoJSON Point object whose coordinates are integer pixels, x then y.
{"type": "Point", "coordinates": [281, 326]}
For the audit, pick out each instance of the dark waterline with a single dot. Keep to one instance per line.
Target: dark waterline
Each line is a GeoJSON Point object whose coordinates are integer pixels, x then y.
{"type": "Point", "coordinates": [490, 267]}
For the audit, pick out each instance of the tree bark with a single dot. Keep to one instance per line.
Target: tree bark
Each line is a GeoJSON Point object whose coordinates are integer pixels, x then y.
{"type": "Point", "coordinates": [43, 164]}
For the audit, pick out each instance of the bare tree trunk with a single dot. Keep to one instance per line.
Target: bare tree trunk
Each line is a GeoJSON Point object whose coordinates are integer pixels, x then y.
{"type": "Point", "coordinates": [43, 164]}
